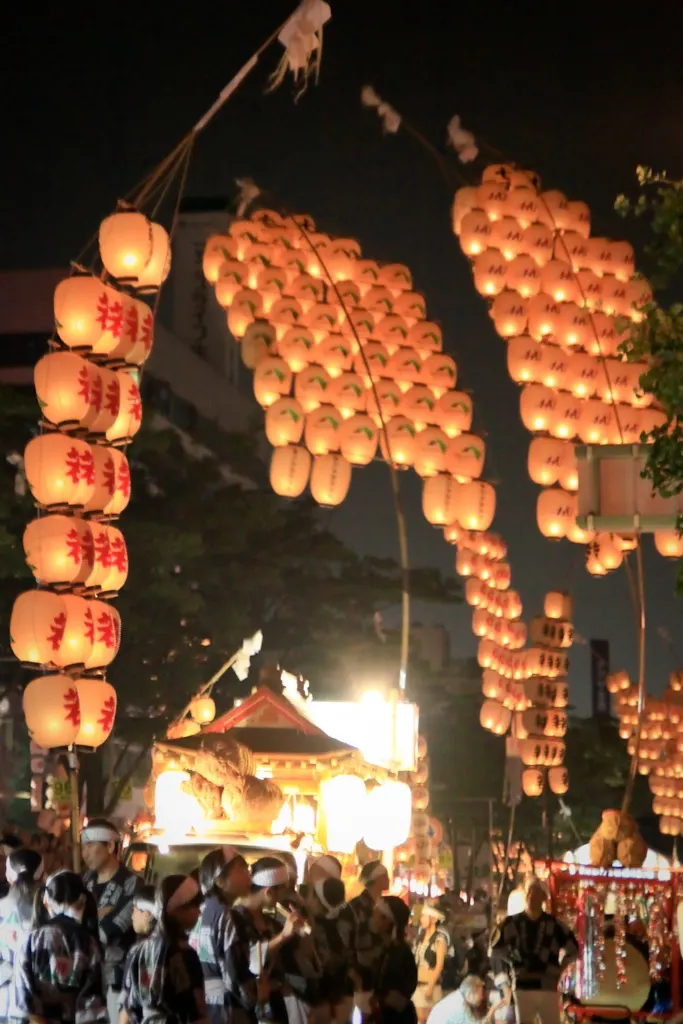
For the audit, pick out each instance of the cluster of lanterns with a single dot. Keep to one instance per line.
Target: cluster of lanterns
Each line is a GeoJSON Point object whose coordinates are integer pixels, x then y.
{"type": "Point", "coordinates": [339, 346]}
{"type": "Point", "coordinates": [660, 750]}
{"type": "Point", "coordinates": [380, 815]}
{"type": "Point", "coordinates": [421, 847]}
{"type": "Point", "coordinates": [563, 302]}
{"type": "Point", "coordinates": [79, 477]}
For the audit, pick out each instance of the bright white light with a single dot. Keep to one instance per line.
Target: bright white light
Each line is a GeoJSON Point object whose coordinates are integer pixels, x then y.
{"type": "Point", "coordinates": [175, 811]}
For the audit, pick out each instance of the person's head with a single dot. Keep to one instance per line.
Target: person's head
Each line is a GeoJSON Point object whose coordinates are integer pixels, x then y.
{"type": "Point", "coordinates": [325, 897]}
{"type": "Point", "coordinates": [176, 905]}
{"type": "Point", "coordinates": [224, 872]}
{"type": "Point", "coordinates": [534, 896]}
{"type": "Point", "coordinates": [430, 917]}
{"type": "Point", "coordinates": [375, 877]}
{"type": "Point", "coordinates": [64, 894]}
{"type": "Point", "coordinates": [473, 990]}
{"type": "Point", "coordinates": [144, 910]}
{"type": "Point", "coordinates": [390, 917]}
{"type": "Point", "coordinates": [321, 868]}
{"type": "Point", "coordinates": [270, 881]}
{"type": "Point", "coordinates": [100, 842]}
{"type": "Point", "coordinates": [24, 870]}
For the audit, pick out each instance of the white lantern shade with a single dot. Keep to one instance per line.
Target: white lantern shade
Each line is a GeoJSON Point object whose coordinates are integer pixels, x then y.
{"type": "Point", "coordinates": [343, 801]}
{"type": "Point", "coordinates": [97, 702]}
{"type": "Point", "coordinates": [126, 244]}
{"type": "Point", "coordinates": [117, 562]}
{"type": "Point", "coordinates": [157, 268]}
{"type": "Point", "coordinates": [78, 639]}
{"type": "Point", "coordinates": [52, 711]}
{"type": "Point", "coordinates": [37, 627]}
{"type": "Point", "coordinates": [58, 470]}
{"type": "Point", "coordinates": [55, 547]}
{"type": "Point", "coordinates": [64, 384]}
{"type": "Point", "coordinates": [129, 418]}
{"type": "Point", "coordinates": [203, 710]}
{"type": "Point", "coordinates": [388, 814]}
{"type": "Point", "coordinates": [107, 635]}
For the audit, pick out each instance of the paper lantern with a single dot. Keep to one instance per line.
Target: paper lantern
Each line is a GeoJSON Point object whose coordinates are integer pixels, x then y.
{"type": "Point", "coordinates": [107, 635]}
{"type": "Point", "coordinates": [494, 717]}
{"type": "Point", "coordinates": [52, 711]}
{"type": "Point", "coordinates": [378, 300]}
{"type": "Point", "coordinates": [358, 439]}
{"type": "Point", "coordinates": [37, 627]}
{"type": "Point", "coordinates": [509, 314]}
{"type": "Point", "coordinates": [558, 780]}
{"type": "Point", "coordinates": [453, 413]}
{"type": "Point", "coordinates": [97, 704]}
{"type": "Point", "coordinates": [491, 197]}
{"type": "Point", "coordinates": [383, 400]}
{"type": "Point", "coordinates": [497, 172]}
{"type": "Point", "coordinates": [603, 338]}
{"type": "Point", "coordinates": [537, 406]}
{"type": "Point", "coordinates": [489, 269]}
{"type": "Point", "coordinates": [532, 782]}
{"type": "Point", "coordinates": [555, 510]}
{"type": "Point", "coordinates": [105, 401]}
{"type": "Point", "coordinates": [58, 470]}
{"type": "Point", "coordinates": [64, 386]}
{"type": "Point", "coordinates": [607, 553]}
{"type": "Point", "coordinates": [112, 482]}
{"type": "Point", "coordinates": [440, 373]}
{"type": "Point", "coordinates": [203, 710]}
{"type": "Point", "coordinates": [404, 367]}
{"type": "Point", "coordinates": [543, 316]}
{"type": "Point", "coordinates": [566, 418]}
{"type": "Point", "coordinates": [137, 334]}
{"type": "Point", "coordinates": [330, 479]}
{"type": "Point", "coordinates": [476, 505]}
{"type": "Point", "coordinates": [669, 543]}
{"type": "Point", "coordinates": [395, 276]}
{"type": "Point", "coordinates": [546, 631]}
{"type": "Point", "coordinates": [289, 470]}
{"type": "Point", "coordinates": [295, 347]}
{"type": "Point", "coordinates": [465, 200]}
{"type": "Point", "coordinates": [584, 374]}
{"type": "Point", "coordinates": [574, 328]}
{"type": "Point", "coordinates": [597, 424]}
{"type": "Point", "coordinates": [334, 352]}
{"type": "Point", "coordinates": [547, 457]}
{"type": "Point", "coordinates": [506, 236]}
{"type": "Point", "coordinates": [321, 431]}
{"type": "Point", "coordinates": [411, 306]}
{"type": "Point", "coordinates": [347, 393]}
{"type": "Point", "coordinates": [580, 217]}
{"type": "Point", "coordinates": [524, 276]}
{"type": "Point", "coordinates": [591, 289]}
{"type": "Point", "coordinates": [425, 336]}
{"type": "Point", "coordinates": [556, 366]}
{"type": "Point", "coordinates": [342, 801]}
{"type": "Point", "coordinates": [538, 242]}
{"type": "Point", "coordinates": [284, 422]}
{"type": "Point", "coordinates": [558, 605]}
{"type": "Point", "coordinates": [571, 248]}
{"type": "Point", "coordinates": [417, 405]}
{"type": "Point", "coordinates": [397, 442]}
{"type": "Point", "coordinates": [246, 306]}
{"type": "Point", "coordinates": [310, 387]}
{"type": "Point", "coordinates": [524, 205]}
{"type": "Point", "coordinates": [55, 547]}
{"type": "Point", "coordinates": [614, 303]}
{"type": "Point", "coordinates": [157, 268]}
{"type": "Point", "coordinates": [232, 278]}
{"type": "Point", "coordinates": [82, 308]}
{"type": "Point", "coordinates": [272, 380]}
{"type": "Point", "coordinates": [555, 207]}
{"type": "Point", "coordinates": [559, 281]}
{"type": "Point", "coordinates": [129, 418]}
{"type": "Point", "coordinates": [126, 245]}
{"type": "Point", "coordinates": [117, 557]}
{"type": "Point", "coordinates": [388, 813]}
{"type": "Point", "coordinates": [525, 359]}
{"type": "Point", "coordinates": [440, 499]}
{"type": "Point", "coordinates": [258, 343]}
{"type": "Point", "coordinates": [431, 446]}
{"type": "Point", "coordinates": [370, 361]}
{"type": "Point", "coordinates": [96, 557]}
{"type": "Point", "coordinates": [217, 249]}
{"type": "Point", "coordinates": [420, 798]}
{"type": "Point", "coordinates": [78, 635]}
{"type": "Point", "coordinates": [466, 456]}
{"type": "Point", "coordinates": [475, 231]}
{"type": "Point", "coordinates": [358, 325]}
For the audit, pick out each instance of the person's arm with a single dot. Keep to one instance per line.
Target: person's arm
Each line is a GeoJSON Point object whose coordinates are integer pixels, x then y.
{"type": "Point", "coordinates": [24, 1002]}
{"type": "Point", "coordinates": [120, 921]}
{"type": "Point", "coordinates": [234, 963]}
{"type": "Point", "coordinates": [440, 948]}
{"type": "Point", "coordinates": [194, 1008]}
{"type": "Point", "coordinates": [289, 930]}
{"type": "Point", "coordinates": [567, 943]}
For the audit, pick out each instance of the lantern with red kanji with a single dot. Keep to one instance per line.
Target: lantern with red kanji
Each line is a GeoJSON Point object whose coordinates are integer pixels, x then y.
{"type": "Point", "coordinates": [54, 547]}
{"type": "Point", "coordinates": [129, 418]}
{"type": "Point", "coordinates": [138, 332]}
{"type": "Point", "coordinates": [37, 627]}
{"type": "Point", "coordinates": [97, 703]}
{"type": "Point", "coordinates": [52, 711]}
{"type": "Point", "coordinates": [77, 643]}
{"type": "Point", "coordinates": [117, 557]}
{"type": "Point", "coordinates": [106, 635]}
{"type": "Point", "coordinates": [57, 469]}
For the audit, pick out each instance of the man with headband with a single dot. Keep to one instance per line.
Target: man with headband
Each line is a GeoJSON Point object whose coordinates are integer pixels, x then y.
{"type": "Point", "coordinates": [113, 888]}
{"type": "Point", "coordinates": [366, 947]}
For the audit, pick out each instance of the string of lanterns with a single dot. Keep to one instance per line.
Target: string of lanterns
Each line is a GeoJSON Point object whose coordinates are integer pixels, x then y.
{"type": "Point", "coordinates": [66, 629]}
{"type": "Point", "coordinates": [347, 368]}
{"type": "Point", "coordinates": [562, 301]}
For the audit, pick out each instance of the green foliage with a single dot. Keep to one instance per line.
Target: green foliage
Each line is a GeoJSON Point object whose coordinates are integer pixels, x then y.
{"type": "Point", "coordinates": [658, 339]}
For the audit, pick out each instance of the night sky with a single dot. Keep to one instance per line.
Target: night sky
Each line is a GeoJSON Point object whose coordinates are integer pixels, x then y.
{"type": "Point", "coordinates": [98, 96]}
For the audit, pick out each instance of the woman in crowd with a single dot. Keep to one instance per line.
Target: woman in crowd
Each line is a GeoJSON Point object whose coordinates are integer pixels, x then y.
{"type": "Point", "coordinates": [163, 980]}
{"type": "Point", "coordinates": [24, 869]}
{"type": "Point", "coordinates": [58, 971]}
{"type": "Point", "coordinates": [397, 975]}
{"type": "Point", "coordinates": [221, 941]}
{"type": "Point", "coordinates": [431, 949]}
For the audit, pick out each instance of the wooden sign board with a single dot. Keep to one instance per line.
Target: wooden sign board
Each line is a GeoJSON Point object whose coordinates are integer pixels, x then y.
{"type": "Point", "coordinates": [615, 497]}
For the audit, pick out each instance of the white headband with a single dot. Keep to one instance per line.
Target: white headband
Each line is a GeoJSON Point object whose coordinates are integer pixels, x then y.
{"type": "Point", "coordinates": [100, 834]}
{"type": "Point", "coordinates": [267, 878]}
{"type": "Point", "coordinates": [12, 875]}
{"type": "Point", "coordinates": [377, 872]}
{"type": "Point", "coordinates": [329, 865]}
{"type": "Point", "coordinates": [184, 894]}
{"type": "Point", "coordinates": [145, 906]}
{"type": "Point", "coordinates": [433, 912]}
{"type": "Point", "coordinates": [53, 907]}
{"type": "Point", "coordinates": [319, 890]}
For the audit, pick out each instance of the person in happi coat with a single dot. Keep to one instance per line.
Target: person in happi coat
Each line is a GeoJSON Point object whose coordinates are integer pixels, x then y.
{"type": "Point", "coordinates": [113, 888]}
{"type": "Point", "coordinates": [58, 971]}
{"type": "Point", "coordinates": [163, 980]}
{"type": "Point", "coordinates": [397, 972]}
{"type": "Point", "coordinates": [533, 942]}
{"type": "Point", "coordinates": [324, 900]}
{"type": "Point", "coordinates": [366, 945]}
{"type": "Point", "coordinates": [430, 950]}
{"type": "Point", "coordinates": [267, 932]}
{"type": "Point", "coordinates": [24, 870]}
{"type": "Point", "coordinates": [221, 941]}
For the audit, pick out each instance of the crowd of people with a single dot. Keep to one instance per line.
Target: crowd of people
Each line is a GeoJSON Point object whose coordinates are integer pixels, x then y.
{"type": "Point", "coordinates": [231, 943]}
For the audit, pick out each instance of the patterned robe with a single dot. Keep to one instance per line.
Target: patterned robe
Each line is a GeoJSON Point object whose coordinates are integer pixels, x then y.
{"type": "Point", "coordinates": [163, 983]}
{"type": "Point", "coordinates": [16, 913]}
{"type": "Point", "coordinates": [115, 910]}
{"type": "Point", "coordinates": [58, 976]}
{"type": "Point", "coordinates": [222, 944]}
{"type": "Point", "coordinates": [533, 947]}
{"type": "Point", "coordinates": [366, 948]}
{"type": "Point", "coordinates": [258, 939]}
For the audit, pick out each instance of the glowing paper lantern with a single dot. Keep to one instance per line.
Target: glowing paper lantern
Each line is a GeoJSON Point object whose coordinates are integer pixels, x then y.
{"type": "Point", "coordinates": [465, 457]}
{"type": "Point", "coordinates": [97, 704]}
{"type": "Point", "coordinates": [543, 316]}
{"type": "Point", "coordinates": [321, 432]}
{"type": "Point", "coordinates": [310, 386]}
{"type": "Point", "coordinates": [78, 635]}
{"type": "Point", "coordinates": [358, 439]}
{"type": "Point", "coordinates": [440, 499]}
{"type": "Point", "coordinates": [669, 543]}
{"type": "Point", "coordinates": [83, 308]}
{"type": "Point", "coordinates": [418, 405]}
{"type": "Point", "coordinates": [217, 249]}
{"type": "Point", "coordinates": [509, 313]}
{"type": "Point", "coordinates": [555, 510]}
{"type": "Point", "coordinates": [272, 380]}
{"type": "Point", "coordinates": [347, 392]}
{"type": "Point", "coordinates": [52, 711]}
{"type": "Point", "coordinates": [157, 268]}
{"type": "Point", "coordinates": [494, 717]}
{"type": "Point", "coordinates": [64, 385]}
{"type": "Point", "coordinates": [532, 782]}
{"type": "Point", "coordinates": [558, 605]}
{"type": "Point", "coordinates": [284, 422]}
{"type": "Point", "coordinates": [37, 627]}
{"type": "Point", "coordinates": [232, 277]}
{"type": "Point", "coordinates": [330, 479]}
{"type": "Point", "coordinates": [54, 547]}
{"type": "Point", "coordinates": [558, 780]}
{"type": "Point", "coordinates": [126, 245]}
{"type": "Point", "coordinates": [107, 635]}
{"type": "Point", "coordinates": [566, 417]}
{"type": "Point", "coordinates": [506, 236]}
{"type": "Point", "coordinates": [489, 269]}
{"type": "Point", "coordinates": [388, 813]}
{"type": "Point", "coordinates": [547, 457]}
{"type": "Point", "coordinates": [397, 442]}
{"type": "Point", "coordinates": [476, 505]}
{"type": "Point", "coordinates": [537, 406]}
{"type": "Point", "coordinates": [475, 230]}
{"type": "Point", "coordinates": [523, 204]}
{"type": "Point", "coordinates": [559, 281]}
{"type": "Point", "coordinates": [524, 276]}
{"type": "Point", "coordinates": [453, 413]}
{"type": "Point", "coordinates": [129, 418]}
{"type": "Point", "coordinates": [538, 242]}
{"type": "Point", "coordinates": [203, 710]}
{"type": "Point", "coordinates": [57, 468]}
{"type": "Point", "coordinates": [525, 359]}
{"type": "Point", "coordinates": [117, 557]}
{"type": "Point", "coordinates": [343, 800]}
{"type": "Point", "coordinates": [431, 446]}
{"type": "Point", "coordinates": [289, 470]}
